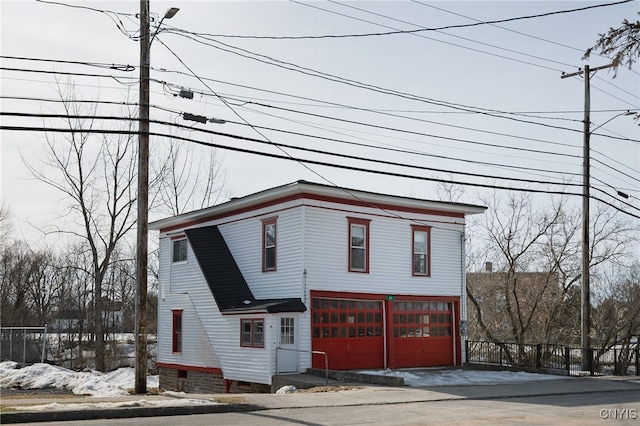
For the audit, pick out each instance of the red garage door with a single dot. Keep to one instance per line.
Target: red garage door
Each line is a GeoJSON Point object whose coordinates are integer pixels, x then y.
{"type": "Point", "coordinates": [349, 330]}
{"type": "Point", "coordinates": [421, 334]}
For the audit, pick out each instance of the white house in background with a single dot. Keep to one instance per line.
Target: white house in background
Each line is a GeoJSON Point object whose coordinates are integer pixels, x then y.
{"type": "Point", "coordinates": [249, 288]}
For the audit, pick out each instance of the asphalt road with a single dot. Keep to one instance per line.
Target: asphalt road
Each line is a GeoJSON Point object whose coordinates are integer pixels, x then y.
{"type": "Point", "coordinates": [601, 408]}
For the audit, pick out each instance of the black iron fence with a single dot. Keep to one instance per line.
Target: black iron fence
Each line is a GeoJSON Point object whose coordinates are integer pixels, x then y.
{"type": "Point", "coordinates": [558, 359]}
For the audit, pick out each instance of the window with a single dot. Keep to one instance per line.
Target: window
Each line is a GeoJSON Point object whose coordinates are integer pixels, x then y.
{"type": "Point", "coordinates": [180, 250]}
{"type": "Point", "coordinates": [421, 249]}
{"type": "Point", "coordinates": [359, 245]}
{"type": "Point", "coordinates": [341, 318]}
{"type": "Point", "coordinates": [422, 319]}
{"type": "Point", "coordinates": [269, 245]}
{"type": "Point", "coordinates": [177, 331]}
{"type": "Point", "coordinates": [252, 333]}
{"type": "Point", "coordinates": [287, 331]}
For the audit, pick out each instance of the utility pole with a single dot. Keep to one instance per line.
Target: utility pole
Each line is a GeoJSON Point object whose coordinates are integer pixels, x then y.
{"type": "Point", "coordinates": [142, 235]}
{"type": "Point", "coordinates": [143, 203]}
{"type": "Point", "coordinates": [585, 311]}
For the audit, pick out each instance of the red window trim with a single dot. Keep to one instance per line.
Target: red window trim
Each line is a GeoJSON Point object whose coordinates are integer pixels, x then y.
{"type": "Point", "coordinates": [252, 321]}
{"type": "Point", "coordinates": [176, 343]}
{"type": "Point", "coordinates": [265, 222]}
{"type": "Point", "coordinates": [365, 223]}
{"type": "Point", "coordinates": [427, 229]}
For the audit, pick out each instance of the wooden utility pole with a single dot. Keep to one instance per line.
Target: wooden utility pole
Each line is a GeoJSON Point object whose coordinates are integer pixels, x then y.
{"type": "Point", "coordinates": [143, 203]}
{"type": "Point", "coordinates": [585, 311]}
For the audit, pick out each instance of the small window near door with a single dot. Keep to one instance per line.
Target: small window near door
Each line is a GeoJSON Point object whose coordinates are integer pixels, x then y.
{"type": "Point", "coordinates": [252, 333]}
{"type": "Point", "coordinates": [287, 331]}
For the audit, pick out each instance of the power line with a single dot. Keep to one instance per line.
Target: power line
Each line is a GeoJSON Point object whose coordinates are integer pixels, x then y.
{"type": "Point", "coordinates": [307, 161]}
{"type": "Point", "coordinates": [344, 120]}
{"type": "Point", "coordinates": [405, 151]}
{"type": "Point", "coordinates": [269, 142]}
{"type": "Point", "coordinates": [119, 67]}
{"type": "Point", "coordinates": [448, 125]}
{"type": "Point", "coordinates": [74, 74]}
{"type": "Point", "coordinates": [440, 32]}
{"type": "Point", "coordinates": [354, 83]}
{"type": "Point", "coordinates": [392, 149]}
{"type": "Point", "coordinates": [447, 27]}
{"type": "Point", "coordinates": [338, 105]}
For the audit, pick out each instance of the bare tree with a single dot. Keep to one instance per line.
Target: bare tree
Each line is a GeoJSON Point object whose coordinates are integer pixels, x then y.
{"type": "Point", "coordinates": [15, 272]}
{"type": "Point", "coordinates": [5, 224]}
{"type": "Point", "coordinates": [96, 174]}
{"type": "Point", "coordinates": [514, 296]}
{"type": "Point", "coordinates": [616, 312]}
{"type": "Point", "coordinates": [532, 294]}
{"type": "Point", "coordinates": [189, 178]}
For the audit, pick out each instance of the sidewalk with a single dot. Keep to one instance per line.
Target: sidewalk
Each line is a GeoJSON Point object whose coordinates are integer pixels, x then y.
{"type": "Point", "coordinates": [86, 407]}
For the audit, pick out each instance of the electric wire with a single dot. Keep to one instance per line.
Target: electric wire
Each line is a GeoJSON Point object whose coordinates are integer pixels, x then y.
{"type": "Point", "coordinates": [447, 27]}
{"type": "Point", "coordinates": [354, 83]}
{"type": "Point", "coordinates": [309, 161]}
{"type": "Point", "coordinates": [439, 32]}
{"type": "Point", "coordinates": [388, 147]}
{"type": "Point", "coordinates": [458, 45]}
{"type": "Point", "coordinates": [119, 67]}
{"type": "Point", "coordinates": [310, 150]}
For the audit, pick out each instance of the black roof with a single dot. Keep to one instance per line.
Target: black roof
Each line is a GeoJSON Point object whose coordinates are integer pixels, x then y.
{"type": "Point", "coordinates": [227, 285]}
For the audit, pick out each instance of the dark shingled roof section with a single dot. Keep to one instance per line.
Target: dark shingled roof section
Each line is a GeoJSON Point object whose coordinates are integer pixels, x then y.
{"type": "Point", "coordinates": [228, 286]}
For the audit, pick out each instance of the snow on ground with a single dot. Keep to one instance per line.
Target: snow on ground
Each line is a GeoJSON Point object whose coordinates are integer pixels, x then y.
{"type": "Point", "coordinates": [433, 377]}
{"type": "Point", "coordinates": [111, 384]}
{"type": "Point", "coordinates": [116, 383]}
{"type": "Point", "coordinates": [39, 376]}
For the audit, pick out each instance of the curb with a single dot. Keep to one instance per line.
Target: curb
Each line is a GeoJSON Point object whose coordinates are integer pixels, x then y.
{"type": "Point", "coordinates": [124, 413]}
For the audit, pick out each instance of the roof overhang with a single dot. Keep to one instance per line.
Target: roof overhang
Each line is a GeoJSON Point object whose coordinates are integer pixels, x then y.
{"type": "Point", "coordinates": [300, 189]}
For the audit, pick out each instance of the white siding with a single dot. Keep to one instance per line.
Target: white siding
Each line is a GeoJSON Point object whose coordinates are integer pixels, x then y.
{"type": "Point", "coordinates": [326, 245]}
{"type": "Point", "coordinates": [196, 349]}
{"type": "Point", "coordinates": [244, 239]}
{"type": "Point", "coordinates": [312, 254]}
{"type": "Point", "coordinates": [189, 291]}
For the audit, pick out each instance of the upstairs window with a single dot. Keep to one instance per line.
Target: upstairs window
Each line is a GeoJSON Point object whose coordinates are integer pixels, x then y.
{"type": "Point", "coordinates": [359, 245]}
{"type": "Point", "coordinates": [421, 251]}
{"type": "Point", "coordinates": [252, 333]}
{"type": "Point", "coordinates": [180, 250]}
{"type": "Point", "coordinates": [269, 245]}
{"type": "Point", "coordinates": [176, 346]}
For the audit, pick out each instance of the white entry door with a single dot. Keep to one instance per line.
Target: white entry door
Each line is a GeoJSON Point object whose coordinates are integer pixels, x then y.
{"type": "Point", "coordinates": [287, 354]}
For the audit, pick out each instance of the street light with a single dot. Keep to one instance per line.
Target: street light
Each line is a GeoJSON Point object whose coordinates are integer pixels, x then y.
{"type": "Point", "coordinates": [142, 234]}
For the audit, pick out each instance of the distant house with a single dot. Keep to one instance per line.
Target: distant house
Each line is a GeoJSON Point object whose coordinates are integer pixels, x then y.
{"type": "Point", "coordinates": [531, 296]}
{"type": "Point", "coordinates": [249, 288]}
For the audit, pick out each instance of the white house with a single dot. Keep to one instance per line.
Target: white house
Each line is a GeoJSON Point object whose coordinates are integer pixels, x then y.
{"type": "Point", "coordinates": [269, 283]}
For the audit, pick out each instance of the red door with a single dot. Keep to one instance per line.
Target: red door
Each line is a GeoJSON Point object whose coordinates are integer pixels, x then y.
{"type": "Point", "coordinates": [421, 334]}
{"type": "Point", "coordinates": [349, 331]}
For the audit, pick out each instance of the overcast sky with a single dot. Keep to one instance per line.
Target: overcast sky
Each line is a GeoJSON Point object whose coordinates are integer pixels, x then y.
{"type": "Point", "coordinates": [477, 104]}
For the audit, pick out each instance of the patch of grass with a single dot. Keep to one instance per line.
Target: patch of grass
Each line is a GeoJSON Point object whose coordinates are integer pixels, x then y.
{"type": "Point", "coordinates": [230, 399]}
{"type": "Point", "coordinates": [5, 409]}
{"type": "Point", "coordinates": [327, 389]}
{"type": "Point", "coordinates": [150, 391]}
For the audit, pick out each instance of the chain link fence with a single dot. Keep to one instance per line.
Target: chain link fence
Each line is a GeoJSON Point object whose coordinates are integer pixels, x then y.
{"type": "Point", "coordinates": [24, 345]}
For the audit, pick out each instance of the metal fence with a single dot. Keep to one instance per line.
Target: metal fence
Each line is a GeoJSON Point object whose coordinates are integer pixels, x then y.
{"type": "Point", "coordinates": [25, 345]}
{"type": "Point", "coordinates": [554, 358]}
{"type": "Point", "coordinates": [30, 345]}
